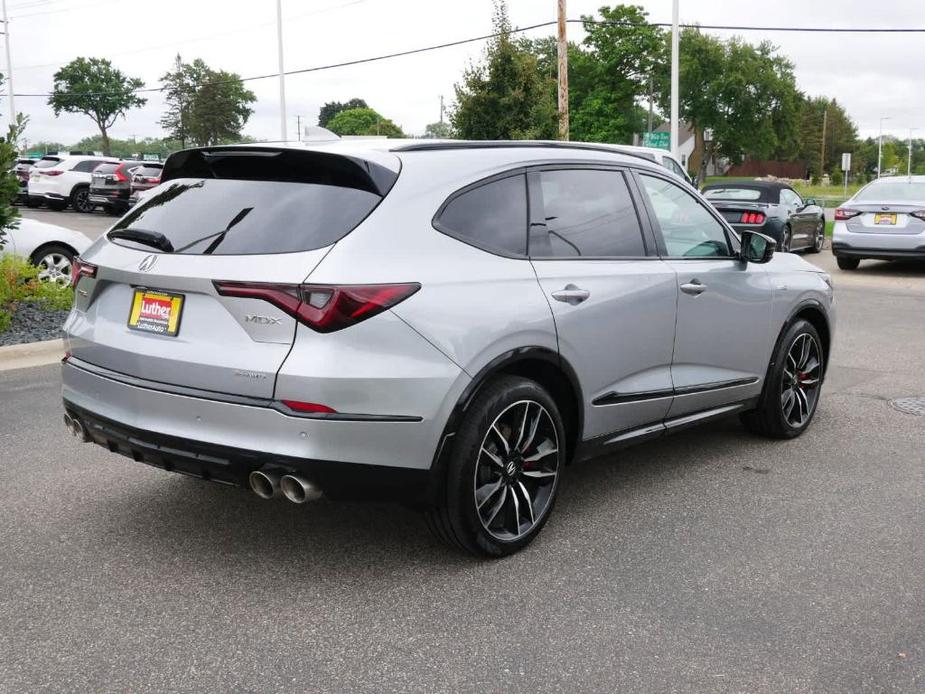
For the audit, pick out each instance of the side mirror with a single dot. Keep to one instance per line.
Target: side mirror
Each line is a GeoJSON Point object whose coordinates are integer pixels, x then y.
{"type": "Point", "coordinates": [757, 248]}
{"type": "Point", "coordinates": [695, 181]}
{"type": "Point", "coordinates": [810, 201]}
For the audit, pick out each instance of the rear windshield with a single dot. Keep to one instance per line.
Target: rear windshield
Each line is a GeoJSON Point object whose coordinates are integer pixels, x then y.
{"type": "Point", "coordinates": [203, 216]}
{"type": "Point", "coordinates": [46, 162]}
{"type": "Point", "coordinates": [149, 170]}
{"type": "Point", "coordinates": [732, 194]}
{"type": "Point", "coordinates": [892, 191]}
{"type": "Point", "coordinates": [105, 168]}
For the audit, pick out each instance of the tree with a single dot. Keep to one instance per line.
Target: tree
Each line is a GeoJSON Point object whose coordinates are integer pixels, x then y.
{"type": "Point", "coordinates": [505, 96]}
{"type": "Point", "coordinates": [9, 184]}
{"type": "Point", "coordinates": [363, 121]}
{"type": "Point", "coordinates": [92, 86]}
{"type": "Point", "coordinates": [438, 131]}
{"type": "Point", "coordinates": [841, 135]}
{"type": "Point", "coordinates": [45, 147]}
{"type": "Point", "coordinates": [204, 106]}
{"type": "Point", "coordinates": [332, 108]}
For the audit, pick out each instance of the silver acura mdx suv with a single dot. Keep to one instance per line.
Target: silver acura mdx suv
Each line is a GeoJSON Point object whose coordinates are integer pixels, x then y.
{"type": "Point", "coordinates": [444, 323]}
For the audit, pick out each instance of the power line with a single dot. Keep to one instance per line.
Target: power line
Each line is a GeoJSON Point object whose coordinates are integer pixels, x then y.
{"type": "Point", "coordinates": [450, 44]}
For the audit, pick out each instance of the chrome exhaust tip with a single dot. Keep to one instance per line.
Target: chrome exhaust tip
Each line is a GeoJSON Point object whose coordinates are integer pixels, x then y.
{"type": "Point", "coordinates": [77, 429]}
{"type": "Point", "coordinates": [298, 489]}
{"type": "Point", "coordinates": [264, 483]}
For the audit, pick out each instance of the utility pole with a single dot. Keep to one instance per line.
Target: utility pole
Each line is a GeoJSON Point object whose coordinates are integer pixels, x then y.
{"type": "Point", "coordinates": [298, 127]}
{"type": "Point", "coordinates": [825, 120]}
{"type": "Point", "coordinates": [563, 74]}
{"type": "Point", "coordinates": [880, 145]}
{"type": "Point", "coordinates": [649, 119]}
{"type": "Point", "coordinates": [675, 72]}
{"type": "Point", "coordinates": [441, 109]}
{"type": "Point", "coordinates": [909, 160]}
{"type": "Point", "coordinates": [282, 75]}
{"type": "Point", "coordinates": [9, 65]}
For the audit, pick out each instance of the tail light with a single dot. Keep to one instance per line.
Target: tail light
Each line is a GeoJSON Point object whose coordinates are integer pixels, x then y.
{"type": "Point", "coordinates": [308, 407]}
{"type": "Point", "coordinates": [81, 269]}
{"type": "Point", "coordinates": [918, 214]}
{"type": "Point", "coordinates": [324, 308]}
{"type": "Point", "coordinates": [843, 213]}
{"type": "Point", "coordinates": [752, 218]}
{"type": "Point", "coordinates": [120, 174]}
{"type": "Point", "coordinates": [52, 172]}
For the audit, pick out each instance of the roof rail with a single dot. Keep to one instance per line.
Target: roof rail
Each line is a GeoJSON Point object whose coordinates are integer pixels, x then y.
{"type": "Point", "coordinates": [502, 144]}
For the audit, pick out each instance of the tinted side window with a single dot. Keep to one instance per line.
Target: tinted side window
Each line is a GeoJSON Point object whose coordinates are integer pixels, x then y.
{"type": "Point", "coordinates": [87, 166]}
{"type": "Point", "coordinates": [689, 231]}
{"type": "Point", "coordinates": [492, 216]}
{"type": "Point", "coordinates": [588, 213]}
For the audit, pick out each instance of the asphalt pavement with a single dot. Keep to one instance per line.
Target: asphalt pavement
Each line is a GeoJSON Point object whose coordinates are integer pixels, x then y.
{"type": "Point", "coordinates": [709, 561]}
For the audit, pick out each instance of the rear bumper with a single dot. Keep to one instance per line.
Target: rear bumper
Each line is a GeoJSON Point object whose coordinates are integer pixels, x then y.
{"type": "Point", "coordinates": [225, 440]}
{"type": "Point", "coordinates": [876, 245]}
{"type": "Point", "coordinates": [108, 197]}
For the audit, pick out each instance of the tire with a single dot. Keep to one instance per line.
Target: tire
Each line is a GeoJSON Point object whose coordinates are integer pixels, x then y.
{"type": "Point", "coordinates": [797, 372]}
{"type": "Point", "coordinates": [56, 205]}
{"type": "Point", "coordinates": [785, 239]}
{"type": "Point", "coordinates": [508, 410]}
{"type": "Point", "coordinates": [818, 238]}
{"type": "Point", "coordinates": [80, 200]}
{"type": "Point", "coordinates": [54, 262]}
{"type": "Point", "coordinates": [33, 202]}
{"type": "Point", "coordinates": [847, 263]}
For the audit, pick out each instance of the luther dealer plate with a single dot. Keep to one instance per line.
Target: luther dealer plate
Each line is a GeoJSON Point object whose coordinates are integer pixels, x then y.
{"type": "Point", "coordinates": [156, 312]}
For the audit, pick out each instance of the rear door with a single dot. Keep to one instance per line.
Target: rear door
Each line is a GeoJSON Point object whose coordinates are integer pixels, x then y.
{"type": "Point", "coordinates": [612, 298]}
{"type": "Point", "coordinates": [722, 341]}
{"type": "Point", "coordinates": [153, 312]}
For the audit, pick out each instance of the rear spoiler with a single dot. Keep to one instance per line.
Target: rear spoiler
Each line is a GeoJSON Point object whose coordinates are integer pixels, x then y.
{"type": "Point", "coordinates": [280, 164]}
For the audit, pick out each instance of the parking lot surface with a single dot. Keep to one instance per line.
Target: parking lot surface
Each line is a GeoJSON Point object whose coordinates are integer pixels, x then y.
{"type": "Point", "coordinates": [708, 561]}
{"type": "Point", "coordinates": [93, 225]}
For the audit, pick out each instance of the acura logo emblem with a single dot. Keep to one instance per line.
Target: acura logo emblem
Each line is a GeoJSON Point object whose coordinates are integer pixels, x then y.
{"type": "Point", "coordinates": [147, 263]}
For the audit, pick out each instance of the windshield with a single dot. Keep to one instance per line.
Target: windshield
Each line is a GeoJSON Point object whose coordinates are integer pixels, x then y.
{"type": "Point", "coordinates": [892, 191]}
{"type": "Point", "coordinates": [258, 216]}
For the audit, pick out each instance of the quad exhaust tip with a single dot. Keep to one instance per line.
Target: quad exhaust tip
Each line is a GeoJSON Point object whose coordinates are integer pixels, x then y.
{"type": "Point", "coordinates": [298, 489]}
{"type": "Point", "coordinates": [264, 483]}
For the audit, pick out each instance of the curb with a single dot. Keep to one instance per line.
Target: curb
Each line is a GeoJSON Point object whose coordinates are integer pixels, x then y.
{"type": "Point", "coordinates": [31, 354]}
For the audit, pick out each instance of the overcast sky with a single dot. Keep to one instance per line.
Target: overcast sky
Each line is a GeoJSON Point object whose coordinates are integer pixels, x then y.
{"type": "Point", "coordinates": [872, 75]}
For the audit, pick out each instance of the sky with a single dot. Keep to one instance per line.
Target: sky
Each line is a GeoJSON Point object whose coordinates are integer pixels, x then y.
{"type": "Point", "coordinates": [873, 76]}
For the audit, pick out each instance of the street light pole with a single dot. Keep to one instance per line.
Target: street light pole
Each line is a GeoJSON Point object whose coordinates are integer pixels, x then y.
{"type": "Point", "coordinates": [9, 64]}
{"type": "Point", "coordinates": [880, 144]}
{"type": "Point", "coordinates": [562, 56]}
{"type": "Point", "coordinates": [282, 75]}
{"type": "Point", "coordinates": [675, 70]}
{"type": "Point", "coordinates": [909, 159]}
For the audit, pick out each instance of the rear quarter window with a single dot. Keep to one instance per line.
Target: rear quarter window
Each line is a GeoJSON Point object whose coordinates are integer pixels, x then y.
{"type": "Point", "coordinates": [47, 162]}
{"type": "Point", "coordinates": [491, 216]}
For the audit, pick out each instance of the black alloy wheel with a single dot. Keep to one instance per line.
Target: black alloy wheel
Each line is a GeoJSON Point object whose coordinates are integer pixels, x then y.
{"type": "Point", "coordinates": [80, 200]}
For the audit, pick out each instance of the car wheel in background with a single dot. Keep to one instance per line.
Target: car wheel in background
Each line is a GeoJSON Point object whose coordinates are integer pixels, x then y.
{"type": "Point", "coordinates": [847, 263]}
{"type": "Point", "coordinates": [56, 205]}
{"type": "Point", "coordinates": [32, 201]}
{"type": "Point", "coordinates": [54, 263]}
{"type": "Point", "coordinates": [503, 472]}
{"type": "Point", "coordinates": [818, 238]}
{"type": "Point", "coordinates": [80, 200]}
{"type": "Point", "coordinates": [792, 385]}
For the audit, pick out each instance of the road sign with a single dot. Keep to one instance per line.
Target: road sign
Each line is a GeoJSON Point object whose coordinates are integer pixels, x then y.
{"type": "Point", "coordinates": [846, 161]}
{"type": "Point", "coordinates": [148, 156]}
{"type": "Point", "coordinates": [659, 140]}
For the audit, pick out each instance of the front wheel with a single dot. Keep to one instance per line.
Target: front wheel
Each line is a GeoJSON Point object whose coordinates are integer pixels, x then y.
{"type": "Point", "coordinates": [503, 472]}
{"type": "Point", "coordinates": [792, 385]}
{"type": "Point", "coordinates": [80, 200]}
{"type": "Point", "coordinates": [818, 238]}
{"type": "Point", "coordinates": [785, 240]}
{"type": "Point", "coordinates": [847, 263]}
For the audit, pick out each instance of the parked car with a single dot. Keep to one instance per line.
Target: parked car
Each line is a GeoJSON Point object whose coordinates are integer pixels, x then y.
{"type": "Point", "coordinates": [111, 185]}
{"type": "Point", "coordinates": [49, 246]}
{"type": "Point", "coordinates": [60, 181]}
{"type": "Point", "coordinates": [21, 170]}
{"type": "Point", "coordinates": [661, 157]}
{"type": "Point", "coordinates": [772, 208]}
{"type": "Point", "coordinates": [145, 178]}
{"type": "Point", "coordinates": [885, 220]}
{"type": "Point", "coordinates": [394, 318]}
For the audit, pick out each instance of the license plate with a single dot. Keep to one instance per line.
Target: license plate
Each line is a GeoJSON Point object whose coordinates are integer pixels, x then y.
{"type": "Point", "coordinates": [156, 312]}
{"type": "Point", "coordinates": [887, 219]}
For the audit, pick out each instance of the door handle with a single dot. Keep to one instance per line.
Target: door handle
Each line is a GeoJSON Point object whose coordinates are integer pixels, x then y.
{"type": "Point", "coordinates": [571, 294]}
{"type": "Point", "coordinates": [694, 287]}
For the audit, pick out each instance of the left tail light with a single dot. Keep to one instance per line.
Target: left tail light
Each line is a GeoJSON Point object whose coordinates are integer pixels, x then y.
{"type": "Point", "coordinates": [324, 308]}
{"type": "Point", "coordinates": [79, 269]}
{"type": "Point", "coordinates": [752, 218]}
{"type": "Point", "coordinates": [120, 174]}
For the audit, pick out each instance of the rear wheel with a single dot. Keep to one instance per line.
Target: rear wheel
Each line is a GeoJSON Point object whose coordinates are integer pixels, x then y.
{"type": "Point", "coordinates": [80, 200]}
{"type": "Point", "coordinates": [33, 201]}
{"type": "Point", "coordinates": [818, 237]}
{"type": "Point", "coordinates": [792, 386]}
{"type": "Point", "coordinates": [503, 473]}
{"type": "Point", "coordinates": [847, 263]}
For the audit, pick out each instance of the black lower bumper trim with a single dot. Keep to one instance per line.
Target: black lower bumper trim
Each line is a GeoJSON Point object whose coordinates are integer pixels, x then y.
{"type": "Point", "coordinates": [228, 465]}
{"type": "Point", "coordinates": [842, 251]}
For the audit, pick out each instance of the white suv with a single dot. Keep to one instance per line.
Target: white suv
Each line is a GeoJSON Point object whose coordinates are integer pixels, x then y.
{"type": "Point", "coordinates": [62, 180]}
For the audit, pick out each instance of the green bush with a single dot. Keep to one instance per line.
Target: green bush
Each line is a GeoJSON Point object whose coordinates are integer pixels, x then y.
{"type": "Point", "coordinates": [19, 283]}
{"type": "Point", "coordinates": [837, 177]}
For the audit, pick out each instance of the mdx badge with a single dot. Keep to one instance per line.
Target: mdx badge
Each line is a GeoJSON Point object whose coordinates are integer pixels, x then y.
{"type": "Point", "coordinates": [262, 320]}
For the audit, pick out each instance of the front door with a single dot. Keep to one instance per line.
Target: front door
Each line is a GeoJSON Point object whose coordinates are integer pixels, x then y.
{"type": "Point", "coordinates": [722, 341]}
{"type": "Point", "coordinates": [612, 298]}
